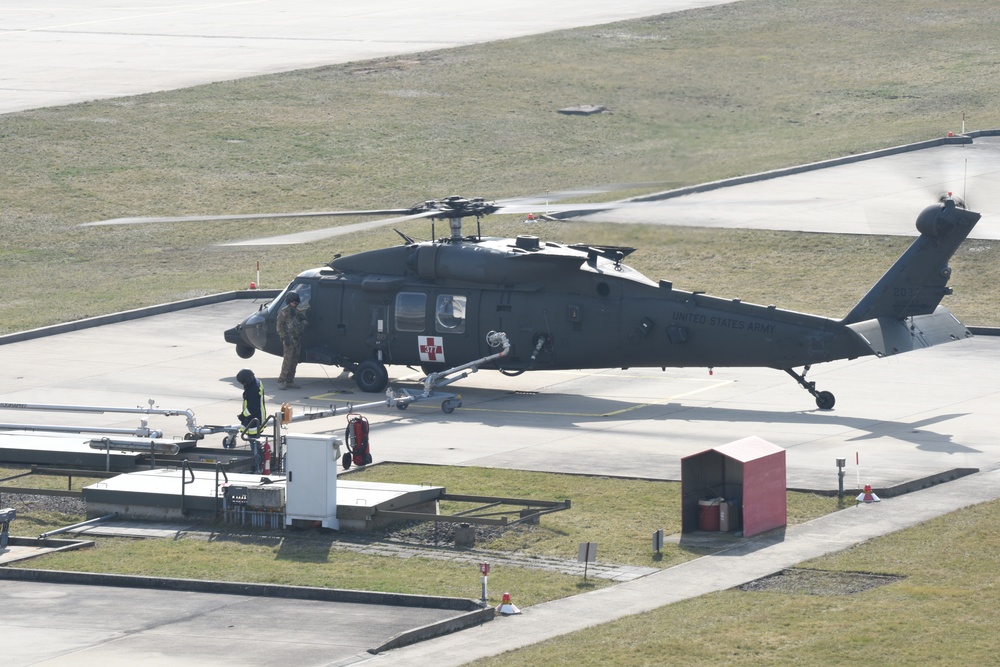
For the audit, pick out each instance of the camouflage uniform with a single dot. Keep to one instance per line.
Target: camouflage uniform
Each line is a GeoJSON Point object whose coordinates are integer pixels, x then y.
{"type": "Point", "coordinates": [291, 324]}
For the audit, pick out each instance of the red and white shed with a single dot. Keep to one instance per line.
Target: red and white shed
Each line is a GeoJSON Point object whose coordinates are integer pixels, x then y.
{"type": "Point", "coordinates": [747, 474]}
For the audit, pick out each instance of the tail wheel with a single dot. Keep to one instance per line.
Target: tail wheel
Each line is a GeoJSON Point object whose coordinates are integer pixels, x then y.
{"type": "Point", "coordinates": [825, 400]}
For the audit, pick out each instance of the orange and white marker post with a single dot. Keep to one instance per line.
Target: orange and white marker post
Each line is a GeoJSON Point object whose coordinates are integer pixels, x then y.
{"type": "Point", "coordinates": [507, 608]}
{"type": "Point", "coordinates": [868, 496]}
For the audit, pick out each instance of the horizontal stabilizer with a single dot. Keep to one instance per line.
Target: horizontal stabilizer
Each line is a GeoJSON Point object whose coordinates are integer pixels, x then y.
{"type": "Point", "coordinates": [887, 336]}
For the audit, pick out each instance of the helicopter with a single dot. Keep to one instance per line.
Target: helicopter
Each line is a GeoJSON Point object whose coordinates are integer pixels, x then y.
{"type": "Point", "coordinates": [429, 304]}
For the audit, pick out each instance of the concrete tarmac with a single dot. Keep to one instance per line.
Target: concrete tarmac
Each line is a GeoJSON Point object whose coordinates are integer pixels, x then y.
{"type": "Point", "coordinates": [69, 51]}
{"type": "Point", "coordinates": [896, 420]}
{"type": "Point", "coordinates": [54, 624]}
{"type": "Point", "coordinates": [874, 193]}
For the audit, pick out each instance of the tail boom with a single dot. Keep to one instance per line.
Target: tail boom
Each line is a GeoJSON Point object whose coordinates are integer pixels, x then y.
{"type": "Point", "coordinates": [886, 336]}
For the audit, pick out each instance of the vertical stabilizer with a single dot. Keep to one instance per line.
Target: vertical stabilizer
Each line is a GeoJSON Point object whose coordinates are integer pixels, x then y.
{"type": "Point", "coordinates": [916, 283]}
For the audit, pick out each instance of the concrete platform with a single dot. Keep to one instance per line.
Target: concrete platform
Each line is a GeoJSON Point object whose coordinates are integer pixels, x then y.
{"type": "Point", "coordinates": [173, 494]}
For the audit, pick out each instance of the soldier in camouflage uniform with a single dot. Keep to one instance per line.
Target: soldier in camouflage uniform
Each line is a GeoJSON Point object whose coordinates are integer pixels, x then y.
{"type": "Point", "coordinates": [291, 323]}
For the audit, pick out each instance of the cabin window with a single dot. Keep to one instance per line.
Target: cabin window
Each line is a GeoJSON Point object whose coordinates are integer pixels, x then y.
{"type": "Point", "coordinates": [411, 311]}
{"type": "Point", "coordinates": [449, 313]}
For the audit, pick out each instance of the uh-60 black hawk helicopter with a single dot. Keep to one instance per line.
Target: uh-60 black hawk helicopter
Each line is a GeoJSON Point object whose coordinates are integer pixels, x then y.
{"type": "Point", "coordinates": [562, 306]}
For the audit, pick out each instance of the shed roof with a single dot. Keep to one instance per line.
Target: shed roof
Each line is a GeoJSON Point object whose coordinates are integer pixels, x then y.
{"type": "Point", "coordinates": [748, 449]}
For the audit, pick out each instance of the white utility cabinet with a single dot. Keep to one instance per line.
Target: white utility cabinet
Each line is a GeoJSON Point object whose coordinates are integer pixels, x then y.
{"type": "Point", "coordinates": [311, 478]}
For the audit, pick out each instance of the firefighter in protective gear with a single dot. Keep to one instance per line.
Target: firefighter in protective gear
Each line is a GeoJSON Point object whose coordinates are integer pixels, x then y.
{"type": "Point", "coordinates": [291, 324]}
{"type": "Point", "coordinates": [254, 412]}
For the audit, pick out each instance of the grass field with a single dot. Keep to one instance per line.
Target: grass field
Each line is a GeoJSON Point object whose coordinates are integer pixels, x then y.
{"type": "Point", "coordinates": [620, 514]}
{"type": "Point", "coordinates": [694, 96]}
{"type": "Point", "coordinates": [939, 613]}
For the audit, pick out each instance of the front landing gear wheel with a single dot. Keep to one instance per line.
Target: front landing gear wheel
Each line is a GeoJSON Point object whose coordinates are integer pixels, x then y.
{"type": "Point", "coordinates": [449, 406]}
{"type": "Point", "coordinates": [371, 376]}
{"type": "Point", "coordinates": [825, 400]}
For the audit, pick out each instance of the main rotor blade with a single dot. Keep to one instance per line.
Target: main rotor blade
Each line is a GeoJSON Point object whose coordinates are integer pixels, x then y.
{"type": "Point", "coordinates": [247, 216]}
{"type": "Point", "coordinates": [559, 208]}
{"type": "Point", "coordinates": [330, 232]}
{"type": "Point", "coordinates": [559, 195]}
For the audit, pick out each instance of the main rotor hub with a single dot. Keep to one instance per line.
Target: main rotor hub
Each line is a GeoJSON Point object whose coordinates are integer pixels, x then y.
{"type": "Point", "coordinates": [453, 209]}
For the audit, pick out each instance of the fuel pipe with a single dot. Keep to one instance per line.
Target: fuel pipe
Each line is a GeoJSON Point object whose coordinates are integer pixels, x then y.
{"type": "Point", "coordinates": [77, 525]}
{"type": "Point", "coordinates": [543, 340]}
{"type": "Point", "coordinates": [142, 431]}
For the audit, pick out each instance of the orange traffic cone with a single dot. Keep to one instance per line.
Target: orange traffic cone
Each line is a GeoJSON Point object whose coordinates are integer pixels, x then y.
{"type": "Point", "coordinates": [507, 608]}
{"type": "Point", "coordinates": [868, 496]}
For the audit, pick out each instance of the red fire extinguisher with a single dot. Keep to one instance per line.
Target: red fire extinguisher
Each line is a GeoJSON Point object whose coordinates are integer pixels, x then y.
{"type": "Point", "coordinates": [356, 441]}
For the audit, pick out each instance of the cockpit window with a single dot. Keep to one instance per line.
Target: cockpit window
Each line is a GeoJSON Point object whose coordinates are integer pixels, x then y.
{"type": "Point", "coordinates": [304, 290]}
{"type": "Point", "coordinates": [449, 313]}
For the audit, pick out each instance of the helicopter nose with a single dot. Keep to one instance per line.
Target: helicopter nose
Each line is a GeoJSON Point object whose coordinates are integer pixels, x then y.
{"type": "Point", "coordinates": [254, 330]}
